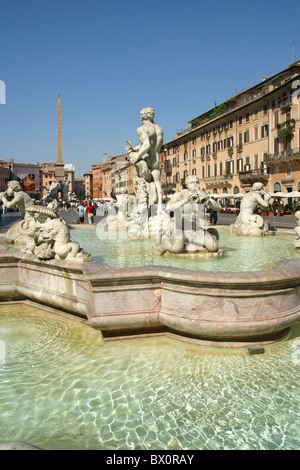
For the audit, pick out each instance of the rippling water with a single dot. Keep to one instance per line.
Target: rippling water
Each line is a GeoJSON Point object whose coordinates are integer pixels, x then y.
{"type": "Point", "coordinates": [240, 253]}
{"type": "Point", "coordinates": [61, 388]}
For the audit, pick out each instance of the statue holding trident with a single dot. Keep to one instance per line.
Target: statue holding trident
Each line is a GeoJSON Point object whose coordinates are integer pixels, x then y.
{"type": "Point", "coordinates": [145, 157]}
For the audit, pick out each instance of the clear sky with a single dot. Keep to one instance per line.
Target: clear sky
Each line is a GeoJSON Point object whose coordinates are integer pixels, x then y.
{"type": "Point", "coordinates": [110, 58]}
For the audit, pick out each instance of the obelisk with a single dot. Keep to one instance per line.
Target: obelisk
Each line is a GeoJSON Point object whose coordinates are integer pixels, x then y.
{"type": "Point", "coordinates": [59, 166]}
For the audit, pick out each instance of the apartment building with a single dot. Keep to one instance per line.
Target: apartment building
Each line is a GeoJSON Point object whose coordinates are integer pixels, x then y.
{"type": "Point", "coordinates": [253, 136]}
{"type": "Point", "coordinates": [79, 188]}
{"type": "Point", "coordinates": [112, 173]}
{"type": "Point", "coordinates": [4, 175]}
{"type": "Point", "coordinates": [88, 185]}
{"type": "Point", "coordinates": [95, 182]}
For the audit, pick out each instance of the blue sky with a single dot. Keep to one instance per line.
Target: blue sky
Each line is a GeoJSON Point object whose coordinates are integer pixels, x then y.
{"type": "Point", "coordinates": [109, 59]}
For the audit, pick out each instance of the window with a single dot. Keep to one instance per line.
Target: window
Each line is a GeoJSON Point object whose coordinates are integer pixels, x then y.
{"type": "Point", "coordinates": [231, 124]}
{"type": "Point", "coordinates": [208, 171]}
{"type": "Point", "coordinates": [255, 114]}
{"type": "Point", "coordinates": [265, 109]}
{"type": "Point", "coordinates": [240, 120]}
{"type": "Point", "coordinates": [194, 155]}
{"type": "Point", "coordinates": [194, 140]}
{"type": "Point", "coordinates": [246, 136]}
{"type": "Point", "coordinates": [255, 129]}
{"type": "Point", "coordinates": [247, 117]}
{"type": "Point", "coordinates": [203, 171]}
{"type": "Point", "coordinates": [247, 166]}
{"type": "Point", "coordinates": [202, 151]}
{"type": "Point", "coordinates": [221, 168]}
{"type": "Point", "coordinates": [264, 131]}
{"type": "Point", "coordinates": [276, 119]}
{"type": "Point", "coordinates": [256, 161]}
{"type": "Point", "coordinates": [289, 171]}
{"type": "Point", "coordinates": [215, 147]}
{"type": "Point", "coordinates": [194, 172]}
{"type": "Point", "coordinates": [208, 149]}
{"type": "Point", "coordinates": [220, 145]}
{"type": "Point", "coordinates": [216, 169]}
{"type": "Point", "coordinates": [277, 187]}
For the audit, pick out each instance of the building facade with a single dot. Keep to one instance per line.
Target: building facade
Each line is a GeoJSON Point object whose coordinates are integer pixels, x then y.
{"type": "Point", "coordinates": [4, 175]}
{"type": "Point", "coordinates": [48, 176]}
{"type": "Point", "coordinates": [88, 185]}
{"type": "Point", "coordinates": [29, 175]}
{"type": "Point", "coordinates": [253, 136]}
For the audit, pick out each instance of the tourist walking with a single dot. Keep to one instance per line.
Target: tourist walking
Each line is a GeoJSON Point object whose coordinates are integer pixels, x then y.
{"type": "Point", "coordinates": [80, 212]}
{"type": "Point", "coordinates": [213, 217]}
{"type": "Point", "coordinates": [91, 212]}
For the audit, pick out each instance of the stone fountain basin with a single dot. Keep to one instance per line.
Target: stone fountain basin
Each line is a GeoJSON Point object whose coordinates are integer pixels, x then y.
{"type": "Point", "coordinates": [232, 309]}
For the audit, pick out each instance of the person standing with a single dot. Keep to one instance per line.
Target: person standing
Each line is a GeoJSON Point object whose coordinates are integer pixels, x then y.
{"type": "Point", "coordinates": [80, 212]}
{"type": "Point", "coordinates": [90, 211]}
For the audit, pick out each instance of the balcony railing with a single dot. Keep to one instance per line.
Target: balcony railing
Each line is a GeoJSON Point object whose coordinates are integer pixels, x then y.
{"type": "Point", "coordinates": [253, 174]}
{"type": "Point", "coordinates": [290, 154]}
{"type": "Point", "coordinates": [215, 179]}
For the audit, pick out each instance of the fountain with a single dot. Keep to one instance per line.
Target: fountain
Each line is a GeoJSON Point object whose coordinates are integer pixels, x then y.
{"type": "Point", "coordinates": [51, 286]}
{"type": "Point", "coordinates": [222, 308]}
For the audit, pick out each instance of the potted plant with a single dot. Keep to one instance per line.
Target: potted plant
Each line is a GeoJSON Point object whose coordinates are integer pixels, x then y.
{"type": "Point", "coordinates": [280, 207]}
{"type": "Point", "coordinates": [295, 207]}
{"type": "Point", "coordinates": [230, 152]}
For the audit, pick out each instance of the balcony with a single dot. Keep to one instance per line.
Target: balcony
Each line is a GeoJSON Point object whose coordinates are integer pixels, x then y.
{"type": "Point", "coordinates": [215, 180]}
{"type": "Point", "coordinates": [286, 156]}
{"type": "Point", "coordinates": [253, 176]}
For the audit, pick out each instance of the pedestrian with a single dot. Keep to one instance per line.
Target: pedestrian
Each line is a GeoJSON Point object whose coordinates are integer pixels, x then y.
{"type": "Point", "coordinates": [91, 212]}
{"type": "Point", "coordinates": [213, 216]}
{"type": "Point", "coordinates": [80, 212]}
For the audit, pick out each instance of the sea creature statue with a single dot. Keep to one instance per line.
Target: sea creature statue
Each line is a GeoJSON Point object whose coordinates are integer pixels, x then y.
{"type": "Point", "coordinates": [248, 223]}
{"type": "Point", "coordinates": [41, 230]}
{"type": "Point", "coordinates": [50, 237]}
{"type": "Point", "coordinates": [187, 234]}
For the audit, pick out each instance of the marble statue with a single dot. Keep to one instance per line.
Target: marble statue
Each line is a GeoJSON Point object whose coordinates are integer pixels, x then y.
{"type": "Point", "coordinates": [248, 223]}
{"type": "Point", "coordinates": [297, 230]}
{"type": "Point", "coordinates": [187, 234]}
{"type": "Point", "coordinates": [41, 230]}
{"type": "Point", "coordinates": [50, 237]}
{"type": "Point", "coordinates": [145, 158]}
{"type": "Point", "coordinates": [15, 198]}
{"type": "Point", "coordinates": [58, 187]}
{"type": "Point", "coordinates": [126, 206]}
